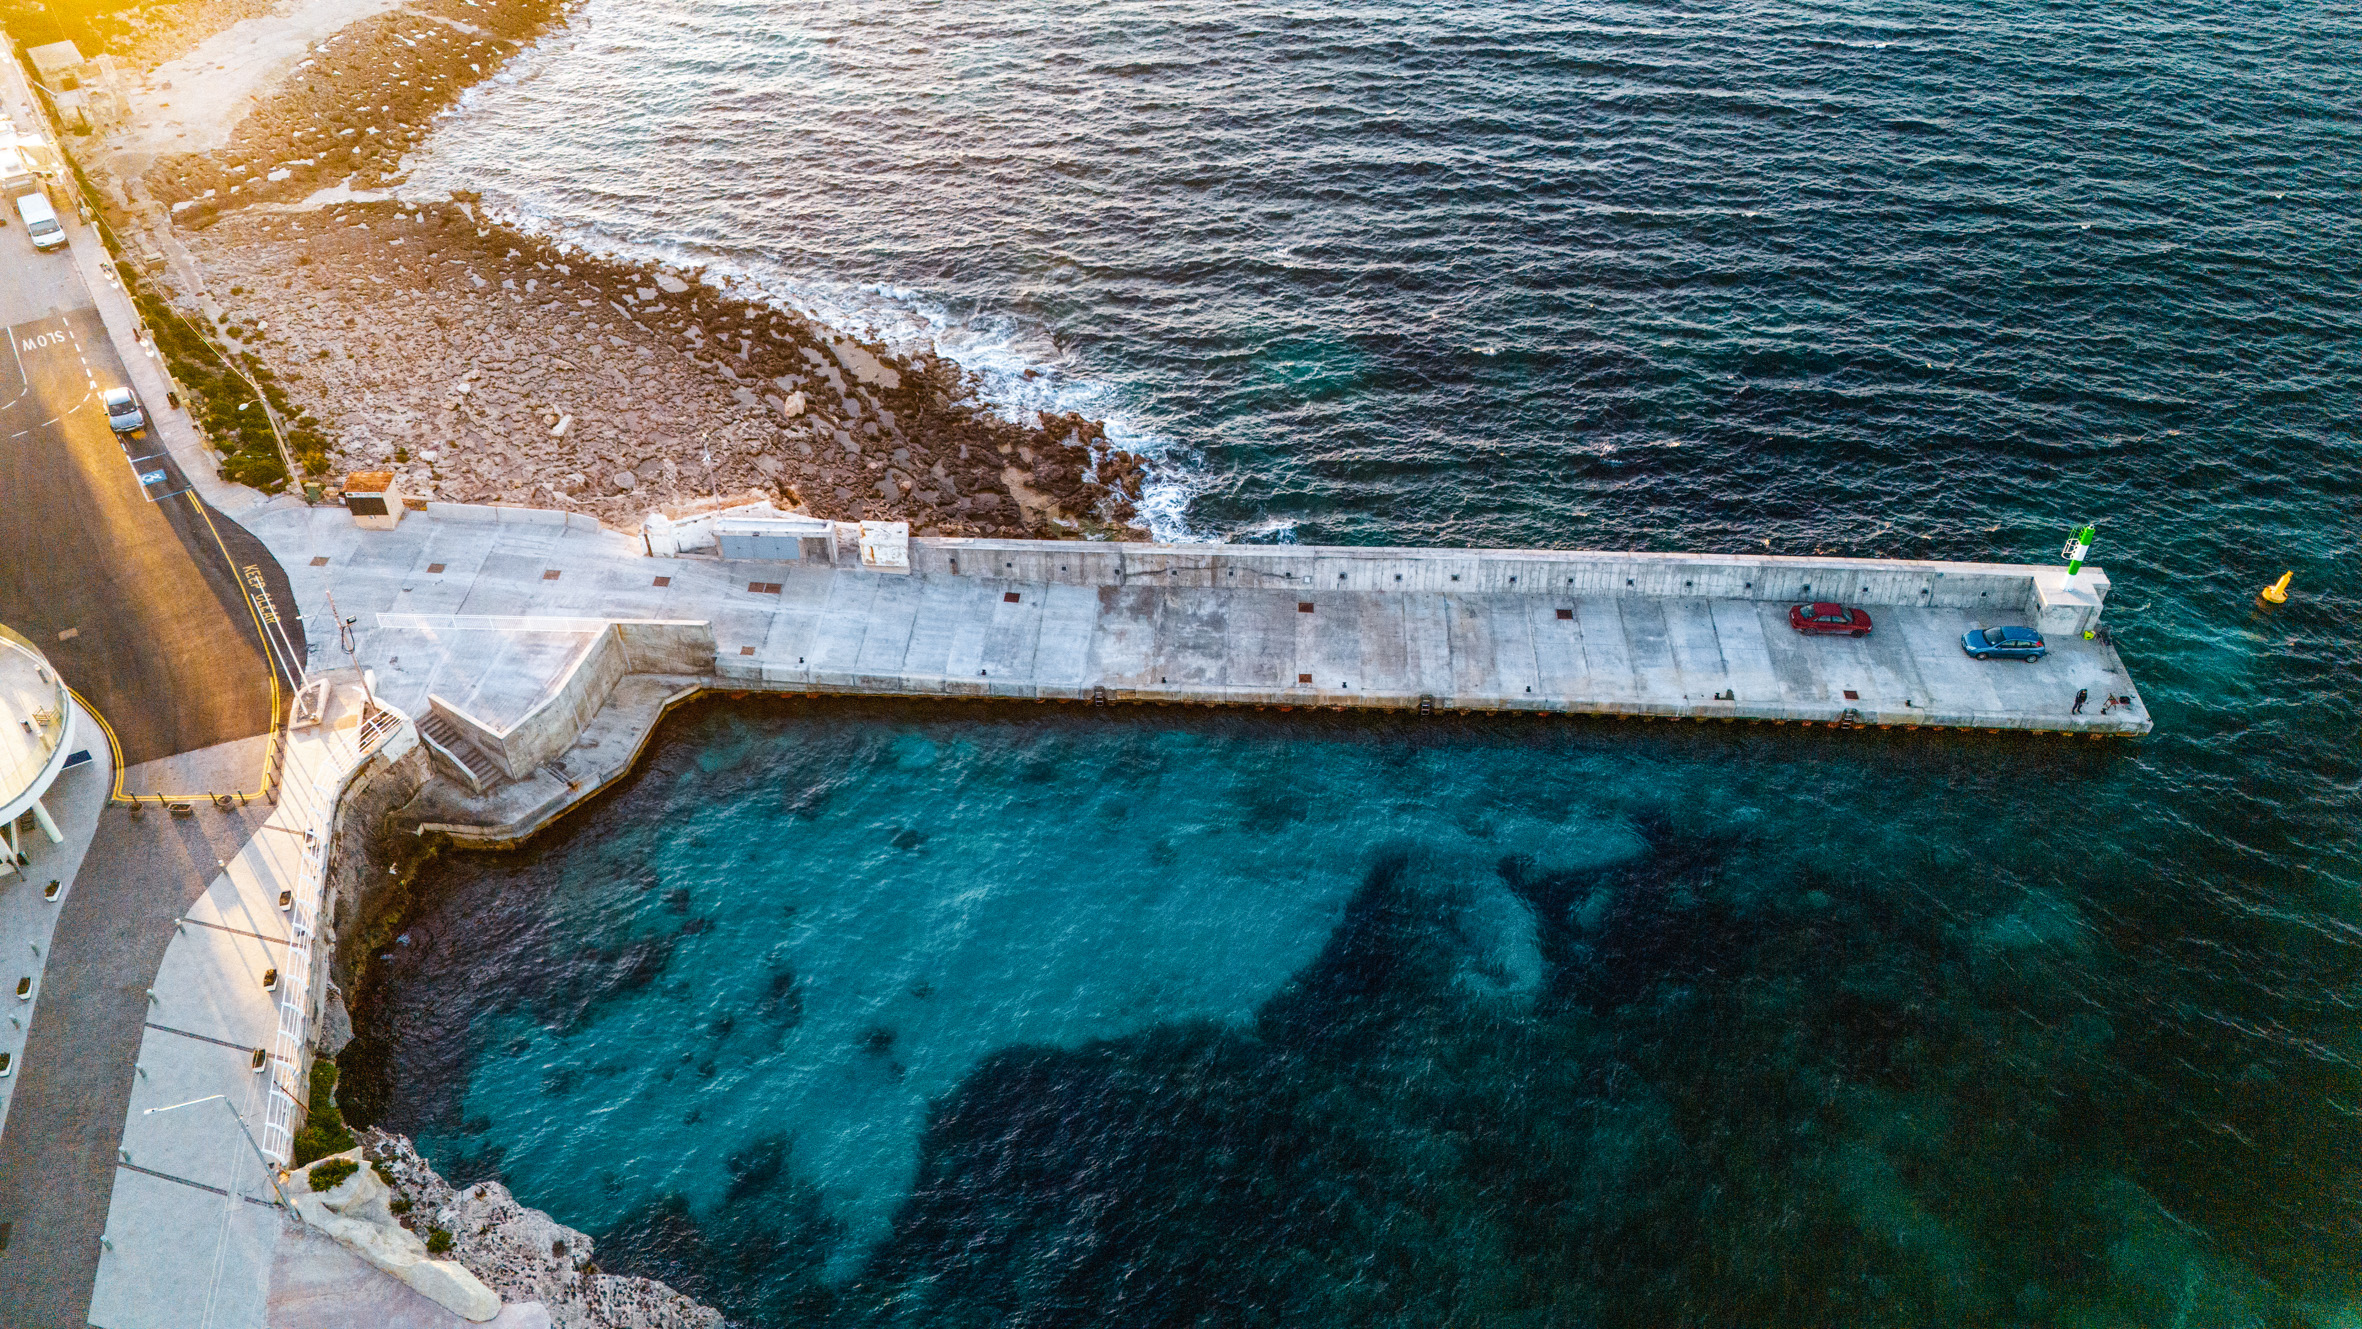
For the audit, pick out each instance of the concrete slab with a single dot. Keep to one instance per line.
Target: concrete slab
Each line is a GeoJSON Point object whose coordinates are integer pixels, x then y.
{"type": "Point", "coordinates": [1667, 635]}
{"type": "Point", "coordinates": [223, 768]}
{"type": "Point", "coordinates": [178, 1255]}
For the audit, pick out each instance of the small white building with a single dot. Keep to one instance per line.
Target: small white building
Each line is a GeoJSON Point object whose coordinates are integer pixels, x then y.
{"type": "Point", "coordinates": [375, 499]}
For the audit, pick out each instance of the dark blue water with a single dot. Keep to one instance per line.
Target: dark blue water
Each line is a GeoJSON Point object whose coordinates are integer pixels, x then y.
{"type": "Point", "coordinates": [977, 1017]}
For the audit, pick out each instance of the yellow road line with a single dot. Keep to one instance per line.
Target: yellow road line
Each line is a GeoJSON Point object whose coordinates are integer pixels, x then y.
{"type": "Point", "coordinates": [270, 666]}
{"type": "Point", "coordinates": [113, 747]}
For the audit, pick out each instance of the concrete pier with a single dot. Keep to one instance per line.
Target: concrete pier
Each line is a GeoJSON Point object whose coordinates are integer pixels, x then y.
{"type": "Point", "coordinates": [1672, 635]}
{"type": "Point", "coordinates": [499, 614]}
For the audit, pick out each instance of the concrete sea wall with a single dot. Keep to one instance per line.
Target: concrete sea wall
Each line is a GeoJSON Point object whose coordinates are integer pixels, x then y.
{"type": "Point", "coordinates": [1916, 583]}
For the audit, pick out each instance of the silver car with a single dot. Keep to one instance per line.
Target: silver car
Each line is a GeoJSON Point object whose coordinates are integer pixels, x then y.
{"type": "Point", "coordinates": [123, 413]}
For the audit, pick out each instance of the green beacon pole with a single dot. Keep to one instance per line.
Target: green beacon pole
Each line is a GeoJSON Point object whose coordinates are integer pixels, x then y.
{"type": "Point", "coordinates": [2078, 549]}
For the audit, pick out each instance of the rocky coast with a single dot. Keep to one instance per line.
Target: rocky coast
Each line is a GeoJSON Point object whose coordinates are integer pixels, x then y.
{"type": "Point", "coordinates": [490, 367]}
{"type": "Point", "coordinates": [522, 1254]}
{"type": "Point", "coordinates": [488, 364]}
{"type": "Point", "coordinates": [265, 230]}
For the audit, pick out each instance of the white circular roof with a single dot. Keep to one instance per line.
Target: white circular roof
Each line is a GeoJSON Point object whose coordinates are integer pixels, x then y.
{"type": "Point", "coordinates": [36, 723]}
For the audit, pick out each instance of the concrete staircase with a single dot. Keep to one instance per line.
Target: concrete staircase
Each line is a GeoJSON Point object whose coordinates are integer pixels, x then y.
{"type": "Point", "coordinates": [468, 760]}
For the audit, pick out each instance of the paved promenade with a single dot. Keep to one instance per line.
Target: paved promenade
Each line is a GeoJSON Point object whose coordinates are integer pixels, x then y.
{"type": "Point", "coordinates": [189, 1231]}
{"type": "Point", "coordinates": [58, 1159]}
{"type": "Point", "coordinates": [438, 600]}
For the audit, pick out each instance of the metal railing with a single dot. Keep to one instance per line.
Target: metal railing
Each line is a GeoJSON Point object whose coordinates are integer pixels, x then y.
{"type": "Point", "coordinates": [308, 805]}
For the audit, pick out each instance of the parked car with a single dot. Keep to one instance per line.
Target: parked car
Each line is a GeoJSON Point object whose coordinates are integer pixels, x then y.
{"type": "Point", "coordinates": [40, 221]}
{"type": "Point", "coordinates": [2004, 643]}
{"type": "Point", "coordinates": [123, 412]}
{"type": "Point", "coordinates": [1828, 619]}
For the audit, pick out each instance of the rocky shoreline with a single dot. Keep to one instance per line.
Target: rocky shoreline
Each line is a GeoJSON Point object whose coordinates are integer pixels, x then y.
{"type": "Point", "coordinates": [490, 365]}
{"type": "Point", "coordinates": [523, 1254]}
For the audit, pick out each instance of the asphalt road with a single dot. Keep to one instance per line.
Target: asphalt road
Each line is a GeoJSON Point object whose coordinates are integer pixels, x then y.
{"type": "Point", "coordinates": [120, 583]}
{"type": "Point", "coordinates": [124, 583]}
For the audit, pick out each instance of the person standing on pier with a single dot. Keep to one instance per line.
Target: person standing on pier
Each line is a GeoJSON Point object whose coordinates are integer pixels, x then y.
{"type": "Point", "coordinates": [2082, 695]}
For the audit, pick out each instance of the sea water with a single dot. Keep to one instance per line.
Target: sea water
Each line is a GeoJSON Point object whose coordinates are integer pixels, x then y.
{"type": "Point", "coordinates": [975, 1015]}
{"type": "Point", "coordinates": [969, 1013]}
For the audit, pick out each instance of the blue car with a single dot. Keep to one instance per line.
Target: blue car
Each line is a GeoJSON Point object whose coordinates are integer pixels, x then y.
{"type": "Point", "coordinates": [2006, 643]}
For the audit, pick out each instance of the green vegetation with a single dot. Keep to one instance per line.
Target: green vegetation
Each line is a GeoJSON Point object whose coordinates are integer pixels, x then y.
{"type": "Point", "coordinates": [224, 400]}
{"type": "Point", "coordinates": [438, 1240]}
{"type": "Point", "coordinates": [332, 1173]}
{"type": "Point", "coordinates": [323, 1130]}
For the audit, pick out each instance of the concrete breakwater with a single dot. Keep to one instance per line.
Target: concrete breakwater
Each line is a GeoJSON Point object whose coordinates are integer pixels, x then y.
{"type": "Point", "coordinates": [542, 648]}
{"type": "Point", "coordinates": [1681, 635]}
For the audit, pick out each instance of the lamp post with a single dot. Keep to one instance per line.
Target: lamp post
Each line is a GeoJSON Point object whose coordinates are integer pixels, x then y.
{"type": "Point", "coordinates": [259, 1157]}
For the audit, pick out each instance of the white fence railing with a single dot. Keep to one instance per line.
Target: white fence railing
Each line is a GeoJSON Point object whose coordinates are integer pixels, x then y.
{"type": "Point", "coordinates": [308, 801]}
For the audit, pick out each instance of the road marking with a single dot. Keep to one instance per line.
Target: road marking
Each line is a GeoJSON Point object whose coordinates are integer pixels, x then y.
{"type": "Point", "coordinates": [21, 375]}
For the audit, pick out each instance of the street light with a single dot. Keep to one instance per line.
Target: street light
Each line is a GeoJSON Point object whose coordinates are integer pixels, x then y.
{"type": "Point", "coordinates": [235, 1115]}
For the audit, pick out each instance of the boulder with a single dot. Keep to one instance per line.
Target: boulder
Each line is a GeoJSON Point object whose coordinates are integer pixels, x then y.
{"type": "Point", "coordinates": [864, 367]}
{"type": "Point", "coordinates": [355, 1212]}
{"type": "Point", "coordinates": [624, 482]}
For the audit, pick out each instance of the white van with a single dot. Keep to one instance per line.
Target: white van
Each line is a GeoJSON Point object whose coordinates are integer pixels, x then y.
{"type": "Point", "coordinates": [40, 222]}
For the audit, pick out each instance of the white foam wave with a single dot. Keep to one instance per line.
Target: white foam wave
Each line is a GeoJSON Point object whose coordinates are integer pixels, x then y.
{"type": "Point", "coordinates": [1020, 370]}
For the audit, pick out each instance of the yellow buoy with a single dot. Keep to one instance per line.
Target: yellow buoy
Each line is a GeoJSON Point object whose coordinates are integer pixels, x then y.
{"type": "Point", "coordinates": [2277, 592]}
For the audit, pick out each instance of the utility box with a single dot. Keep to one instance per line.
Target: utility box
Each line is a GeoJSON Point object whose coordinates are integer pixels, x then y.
{"type": "Point", "coordinates": [375, 499]}
{"type": "Point", "coordinates": [885, 546]}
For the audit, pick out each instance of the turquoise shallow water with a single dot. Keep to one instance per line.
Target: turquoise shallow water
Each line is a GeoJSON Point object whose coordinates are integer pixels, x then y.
{"type": "Point", "coordinates": [963, 1014]}
{"type": "Point", "coordinates": [976, 1016]}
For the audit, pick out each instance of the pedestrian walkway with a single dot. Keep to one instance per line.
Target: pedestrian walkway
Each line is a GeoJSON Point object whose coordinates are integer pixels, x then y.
{"type": "Point", "coordinates": [191, 1229]}
{"type": "Point", "coordinates": [33, 897]}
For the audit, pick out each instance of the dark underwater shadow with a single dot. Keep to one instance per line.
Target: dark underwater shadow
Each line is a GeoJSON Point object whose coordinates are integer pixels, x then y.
{"type": "Point", "coordinates": [1720, 1106]}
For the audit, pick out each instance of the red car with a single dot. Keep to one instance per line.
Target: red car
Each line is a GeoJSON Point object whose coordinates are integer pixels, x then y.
{"type": "Point", "coordinates": [1827, 619]}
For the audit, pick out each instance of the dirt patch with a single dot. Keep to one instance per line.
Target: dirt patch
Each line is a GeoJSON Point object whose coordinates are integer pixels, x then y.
{"type": "Point", "coordinates": [354, 106]}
